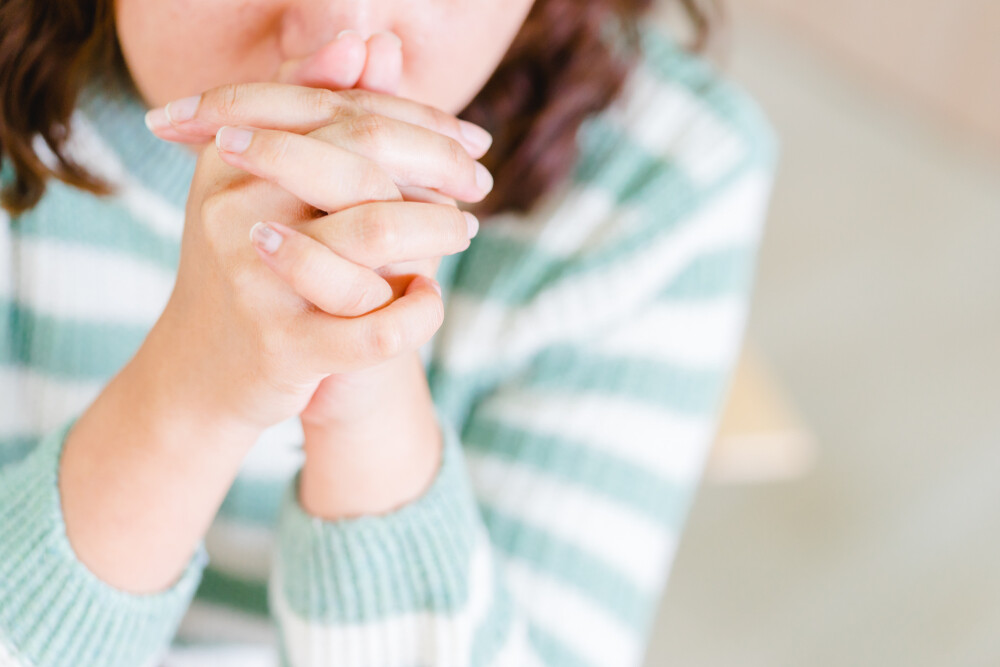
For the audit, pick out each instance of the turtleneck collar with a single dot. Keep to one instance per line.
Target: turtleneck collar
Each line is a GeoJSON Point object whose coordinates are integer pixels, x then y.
{"type": "Point", "coordinates": [117, 113]}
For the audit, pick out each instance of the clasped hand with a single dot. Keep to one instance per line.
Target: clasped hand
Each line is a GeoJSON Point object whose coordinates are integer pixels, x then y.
{"type": "Point", "coordinates": [361, 186]}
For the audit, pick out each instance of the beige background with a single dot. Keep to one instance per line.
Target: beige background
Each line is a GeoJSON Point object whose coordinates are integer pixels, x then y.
{"type": "Point", "coordinates": [877, 304]}
{"type": "Point", "coordinates": [943, 53]}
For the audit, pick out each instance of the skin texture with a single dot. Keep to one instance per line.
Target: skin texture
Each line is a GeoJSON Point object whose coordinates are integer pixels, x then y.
{"type": "Point", "coordinates": [134, 514]}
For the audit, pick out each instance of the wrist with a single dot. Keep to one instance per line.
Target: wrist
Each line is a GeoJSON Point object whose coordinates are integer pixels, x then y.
{"type": "Point", "coordinates": [387, 456]}
{"type": "Point", "coordinates": [373, 476]}
{"type": "Point", "coordinates": [178, 396]}
{"type": "Point", "coordinates": [141, 475]}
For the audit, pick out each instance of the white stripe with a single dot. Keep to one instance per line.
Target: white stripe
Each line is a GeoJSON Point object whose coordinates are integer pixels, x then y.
{"type": "Point", "coordinates": [277, 454]}
{"type": "Point", "coordinates": [220, 656]}
{"type": "Point", "coordinates": [670, 120]}
{"type": "Point", "coordinates": [697, 333]}
{"type": "Point", "coordinates": [489, 334]}
{"type": "Point", "coordinates": [79, 281]}
{"type": "Point", "coordinates": [145, 206]}
{"type": "Point", "coordinates": [6, 255]}
{"type": "Point", "coordinates": [572, 618]}
{"type": "Point", "coordinates": [423, 638]}
{"type": "Point", "coordinates": [567, 220]}
{"type": "Point", "coordinates": [10, 658]}
{"type": "Point", "coordinates": [43, 402]}
{"type": "Point", "coordinates": [652, 438]}
{"type": "Point", "coordinates": [36, 402]}
{"type": "Point", "coordinates": [241, 549]}
{"type": "Point", "coordinates": [204, 621]}
{"type": "Point", "coordinates": [633, 546]}
{"type": "Point", "coordinates": [518, 650]}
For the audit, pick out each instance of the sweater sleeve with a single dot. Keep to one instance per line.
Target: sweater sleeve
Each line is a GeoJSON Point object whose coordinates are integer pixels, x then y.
{"type": "Point", "coordinates": [54, 612]}
{"type": "Point", "coordinates": [548, 533]}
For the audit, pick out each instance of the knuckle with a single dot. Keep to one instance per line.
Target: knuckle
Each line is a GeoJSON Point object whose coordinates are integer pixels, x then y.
{"type": "Point", "coordinates": [356, 301]}
{"type": "Point", "coordinates": [358, 97]}
{"type": "Point", "coordinates": [276, 147]}
{"type": "Point", "coordinates": [213, 211]}
{"type": "Point", "coordinates": [379, 235]}
{"type": "Point", "coordinates": [212, 207]}
{"type": "Point", "coordinates": [385, 340]}
{"type": "Point", "coordinates": [244, 283]}
{"type": "Point", "coordinates": [369, 129]}
{"type": "Point", "coordinates": [329, 104]}
{"type": "Point", "coordinates": [274, 348]}
{"type": "Point", "coordinates": [374, 183]}
{"type": "Point", "coordinates": [228, 99]}
{"type": "Point", "coordinates": [303, 269]}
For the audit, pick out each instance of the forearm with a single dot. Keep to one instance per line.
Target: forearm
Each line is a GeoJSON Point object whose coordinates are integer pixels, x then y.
{"type": "Point", "coordinates": [143, 472]}
{"type": "Point", "coordinates": [380, 460]}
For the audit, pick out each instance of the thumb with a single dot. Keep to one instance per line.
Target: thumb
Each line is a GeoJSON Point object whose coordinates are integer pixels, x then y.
{"type": "Point", "coordinates": [422, 283]}
{"type": "Point", "coordinates": [384, 66]}
{"type": "Point", "coordinates": [337, 65]}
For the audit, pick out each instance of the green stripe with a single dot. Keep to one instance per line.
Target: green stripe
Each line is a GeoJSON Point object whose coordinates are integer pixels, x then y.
{"type": "Point", "coordinates": [253, 501]}
{"type": "Point", "coordinates": [7, 177]}
{"type": "Point", "coordinates": [613, 161]}
{"type": "Point", "coordinates": [660, 500]}
{"type": "Point", "coordinates": [656, 187]}
{"type": "Point", "coordinates": [68, 215]}
{"type": "Point", "coordinates": [571, 368]}
{"type": "Point", "coordinates": [222, 588]}
{"type": "Point", "coordinates": [725, 272]}
{"type": "Point", "coordinates": [117, 114]}
{"type": "Point", "coordinates": [668, 61]}
{"type": "Point", "coordinates": [590, 576]}
{"type": "Point", "coordinates": [553, 651]}
{"type": "Point", "coordinates": [510, 271]}
{"type": "Point", "coordinates": [67, 348]}
{"type": "Point", "coordinates": [13, 448]}
{"type": "Point", "coordinates": [503, 269]}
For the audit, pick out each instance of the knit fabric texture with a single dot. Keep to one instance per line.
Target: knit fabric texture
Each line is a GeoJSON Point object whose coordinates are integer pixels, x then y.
{"type": "Point", "coordinates": [579, 377]}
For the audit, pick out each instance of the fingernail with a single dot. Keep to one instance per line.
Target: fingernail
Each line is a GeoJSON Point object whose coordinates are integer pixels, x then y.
{"type": "Point", "coordinates": [345, 32]}
{"type": "Point", "coordinates": [264, 237]}
{"type": "Point", "coordinates": [483, 178]}
{"type": "Point", "coordinates": [183, 109]}
{"type": "Point", "coordinates": [156, 119]}
{"type": "Point", "coordinates": [472, 223]}
{"type": "Point", "coordinates": [233, 139]}
{"type": "Point", "coordinates": [395, 37]}
{"type": "Point", "coordinates": [475, 135]}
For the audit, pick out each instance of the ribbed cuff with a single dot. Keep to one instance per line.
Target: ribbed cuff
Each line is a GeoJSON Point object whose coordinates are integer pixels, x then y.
{"type": "Point", "coordinates": [53, 610]}
{"type": "Point", "coordinates": [415, 558]}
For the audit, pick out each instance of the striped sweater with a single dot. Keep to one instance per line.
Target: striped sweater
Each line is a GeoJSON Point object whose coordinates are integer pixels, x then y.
{"type": "Point", "coordinates": [578, 378]}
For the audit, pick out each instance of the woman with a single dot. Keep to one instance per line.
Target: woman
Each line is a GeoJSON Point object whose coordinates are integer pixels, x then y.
{"type": "Point", "coordinates": [229, 440]}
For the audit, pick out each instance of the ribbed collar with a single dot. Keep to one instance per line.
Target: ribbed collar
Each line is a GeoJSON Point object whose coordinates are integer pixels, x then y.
{"type": "Point", "coordinates": [117, 113]}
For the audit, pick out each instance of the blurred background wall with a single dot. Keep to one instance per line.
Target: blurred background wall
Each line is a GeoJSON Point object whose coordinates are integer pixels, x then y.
{"type": "Point", "coordinates": [877, 309]}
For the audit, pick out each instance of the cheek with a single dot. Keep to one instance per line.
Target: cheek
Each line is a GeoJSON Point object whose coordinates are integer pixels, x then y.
{"type": "Point", "coordinates": [179, 48]}
{"type": "Point", "coordinates": [449, 61]}
{"type": "Point", "coordinates": [446, 77]}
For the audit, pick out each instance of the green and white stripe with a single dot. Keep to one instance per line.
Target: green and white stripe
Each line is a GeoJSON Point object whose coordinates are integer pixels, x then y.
{"type": "Point", "coordinates": [578, 377]}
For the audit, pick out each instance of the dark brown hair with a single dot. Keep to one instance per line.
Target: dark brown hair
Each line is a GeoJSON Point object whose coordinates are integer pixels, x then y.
{"type": "Point", "coordinates": [559, 69]}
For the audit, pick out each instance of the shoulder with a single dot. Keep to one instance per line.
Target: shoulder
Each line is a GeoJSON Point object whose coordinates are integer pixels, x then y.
{"type": "Point", "coordinates": [678, 117]}
{"type": "Point", "coordinates": [681, 139]}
